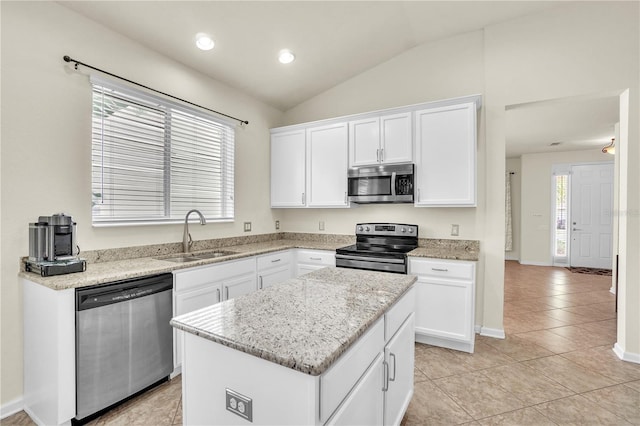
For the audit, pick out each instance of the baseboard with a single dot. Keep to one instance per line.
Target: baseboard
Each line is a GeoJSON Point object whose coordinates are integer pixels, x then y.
{"type": "Point", "coordinates": [496, 333]}
{"type": "Point", "coordinates": [626, 356]}
{"type": "Point", "coordinates": [527, 262]}
{"type": "Point", "coordinates": [445, 343]}
{"type": "Point", "coordinates": [507, 257]}
{"type": "Point", "coordinates": [11, 408]}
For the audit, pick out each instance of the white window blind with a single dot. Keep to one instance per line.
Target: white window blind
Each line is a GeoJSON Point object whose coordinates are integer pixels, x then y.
{"type": "Point", "coordinates": [154, 160]}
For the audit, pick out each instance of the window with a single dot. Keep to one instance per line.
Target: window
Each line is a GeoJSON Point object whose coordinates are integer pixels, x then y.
{"type": "Point", "coordinates": [153, 160]}
{"type": "Point", "coordinates": [560, 216]}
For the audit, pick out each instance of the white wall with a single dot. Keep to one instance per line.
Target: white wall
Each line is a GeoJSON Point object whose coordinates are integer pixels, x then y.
{"type": "Point", "coordinates": [536, 214]}
{"type": "Point", "coordinates": [46, 141]}
{"type": "Point", "coordinates": [514, 165]}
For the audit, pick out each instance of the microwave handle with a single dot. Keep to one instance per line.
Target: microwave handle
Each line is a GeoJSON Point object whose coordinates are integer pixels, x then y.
{"type": "Point", "coordinates": [393, 184]}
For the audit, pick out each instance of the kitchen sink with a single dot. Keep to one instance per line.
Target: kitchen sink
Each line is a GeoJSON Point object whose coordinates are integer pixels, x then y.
{"type": "Point", "coordinates": [193, 257]}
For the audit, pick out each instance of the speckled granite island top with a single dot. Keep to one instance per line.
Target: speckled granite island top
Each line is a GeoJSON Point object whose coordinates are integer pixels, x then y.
{"type": "Point", "coordinates": [304, 323]}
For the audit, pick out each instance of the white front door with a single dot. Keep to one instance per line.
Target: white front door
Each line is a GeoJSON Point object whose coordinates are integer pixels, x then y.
{"type": "Point", "coordinates": [591, 215]}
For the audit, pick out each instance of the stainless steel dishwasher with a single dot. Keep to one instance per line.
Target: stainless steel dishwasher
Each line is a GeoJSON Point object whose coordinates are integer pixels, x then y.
{"type": "Point", "coordinates": [124, 342]}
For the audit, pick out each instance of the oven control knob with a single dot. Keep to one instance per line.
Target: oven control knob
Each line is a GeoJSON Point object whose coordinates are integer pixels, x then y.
{"type": "Point", "coordinates": [403, 230]}
{"type": "Point", "coordinates": [366, 228]}
{"type": "Point", "coordinates": [359, 228]}
{"type": "Point", "coordinates": [411, 230]}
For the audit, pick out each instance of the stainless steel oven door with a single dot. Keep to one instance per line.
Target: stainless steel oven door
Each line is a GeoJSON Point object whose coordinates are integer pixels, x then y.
{"type": "Point", "coordinates": [371, 263]}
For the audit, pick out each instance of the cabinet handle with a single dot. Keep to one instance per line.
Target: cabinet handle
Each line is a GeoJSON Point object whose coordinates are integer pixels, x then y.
{"type": "Point", "coordinates": [303, 198]}
{"type": "Point", "coordinates": [345, 198]}
{"type": "Point", "coordinates": [315, 258]}
{"type": "Point", "coordinates": [276, 260]}
{"type": "Point", "coordinates": [378, 155]}
{"type": "Point", "coordinates": [260, 282]}
{"type": "Point", "coordinates": [226, 293]}
{"type": "Point", "coordinates": [382, 155]}
{"type": "Point", "coordinates": [385, 377]}
{"type": "Point", "coordinates": [418, 198]}
{"type": "Point", "coordinates": [440, 269]}
{"type": "Point", "coordinates": [391, 354]}
{"type": "Point", "coordinates": [218, 294]}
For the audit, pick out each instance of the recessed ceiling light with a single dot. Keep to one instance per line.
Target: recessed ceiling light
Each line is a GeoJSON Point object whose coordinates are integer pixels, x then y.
{"type": "Point", "coordinates": [286, 56]}
{"type": "Point", "coordinates": [204, 41]}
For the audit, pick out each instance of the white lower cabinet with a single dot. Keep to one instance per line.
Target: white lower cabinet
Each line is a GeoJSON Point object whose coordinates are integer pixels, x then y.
{"type": "Point", "coordinates": [273, 268]}
{"type": "Point", "coordinates": [311, 260]}
{"type": "Point", "coordinates": [200, 287]}
{"type": "Point", "coordinates": [445, 303]}
{"type": "Point", "coordinates": [365, 404]}
{"type": "Point", "coordinates": [399, 359]}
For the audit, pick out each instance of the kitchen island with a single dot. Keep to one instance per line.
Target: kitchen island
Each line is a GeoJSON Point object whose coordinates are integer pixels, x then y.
{"type": "Point", "coordinates": [335, 346]}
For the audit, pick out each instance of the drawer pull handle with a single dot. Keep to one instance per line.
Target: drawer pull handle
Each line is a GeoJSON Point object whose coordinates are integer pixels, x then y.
{"type": "Point", "coordinates": [260, 282]}
{"type": "Point", "coordinates": [276, 260]}
{"type": "Point", "coordinates": [440, 269]}
{"type": "Point", "coordinates": [218, 294]}
{"type": "Point", "coordinates": [315, 258]}
{"type": "Point", "coordinates": [226, 292]}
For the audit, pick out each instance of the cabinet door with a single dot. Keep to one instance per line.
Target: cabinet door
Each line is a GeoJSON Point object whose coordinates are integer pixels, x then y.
{"type": "Point", "coordinates": [364, 142]}
{"type": "Point", "coordinates": [327, 166]}
{"type": "Point", "coordinates": [399, 356]}
{"type": "Point", "coordinates": [446, 156]}
{"type": "Point", "coordinates": [270, 277]}
{"type": "Point", "coordinates": [365, 404]}
{"type": "Point", "coordinates": [238, 286]}
{"type": "Point", "coordinates": [396, 141]}
{"type": "Point", "coordinates": [444, 309]}
{"type": "Point", "coordinates": [191, 301]}
{"type": "Point", "coordinates": [288, 169]}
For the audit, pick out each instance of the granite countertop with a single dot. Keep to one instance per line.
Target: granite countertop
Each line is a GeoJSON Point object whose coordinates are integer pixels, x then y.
{"type": "Point", "coordinates": [304, 323]}
{"type": "Point", "coordinates": [104, 266]}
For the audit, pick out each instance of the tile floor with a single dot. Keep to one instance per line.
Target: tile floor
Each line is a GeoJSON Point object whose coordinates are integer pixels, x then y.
{"type": "Point", "coordinates": [556, 365]}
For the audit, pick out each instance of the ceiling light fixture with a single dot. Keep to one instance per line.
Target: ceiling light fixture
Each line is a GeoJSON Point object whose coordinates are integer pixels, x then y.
{"type": "Point", "coordinates": [611, 148]}
{"type": "Point", "coordinates": [286, 56]}
{"type": "Point", "coordinates": [204, 41]}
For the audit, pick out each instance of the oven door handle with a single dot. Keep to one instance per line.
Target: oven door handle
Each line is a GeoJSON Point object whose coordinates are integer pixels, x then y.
{"type": "Point", "coordinates": [368, 259]}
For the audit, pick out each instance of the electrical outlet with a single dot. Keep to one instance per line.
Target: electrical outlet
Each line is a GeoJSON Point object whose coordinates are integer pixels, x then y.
{"type": "Point", "coordinates": [321, 225]}
{"type": "Point", "coordinates": [455, 230]}
{"type": "Point", "coordinates": [277, 224]}
{"type": "Point", "coordinates": [247, 226]}
{"type": "Point", "coordinates": [239, 404]}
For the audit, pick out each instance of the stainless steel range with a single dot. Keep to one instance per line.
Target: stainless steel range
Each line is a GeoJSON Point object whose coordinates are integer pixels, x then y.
{"type": "Point", "coordinates": [379, 247]}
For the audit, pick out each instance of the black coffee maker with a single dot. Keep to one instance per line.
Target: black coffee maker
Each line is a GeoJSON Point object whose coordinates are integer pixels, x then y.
{"type": "Point", "coordinates": [52, 246]}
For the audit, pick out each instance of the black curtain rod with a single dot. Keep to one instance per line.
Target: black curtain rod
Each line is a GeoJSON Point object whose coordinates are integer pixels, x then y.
{"type": "Point", "coordinates": [69, 59]}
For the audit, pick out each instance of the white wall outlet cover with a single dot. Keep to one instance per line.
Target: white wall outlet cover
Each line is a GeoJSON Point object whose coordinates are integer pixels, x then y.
{"type": "Point", "coordinates": [321, 225]}
{"type": "Point", "coordinates": [277, 224]}
{"type": "Point", "coordinates": [247, 226]}
{"type": "Point", "coordinates": [455, 230]}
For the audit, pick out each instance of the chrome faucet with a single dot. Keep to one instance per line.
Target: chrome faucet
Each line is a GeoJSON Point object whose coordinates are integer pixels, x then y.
{"type": "Point", "coordinates": [187, 242]}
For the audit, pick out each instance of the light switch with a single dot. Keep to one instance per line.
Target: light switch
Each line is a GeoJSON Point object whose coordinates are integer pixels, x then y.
{"type": "Point", "coordinates": [247, 226]}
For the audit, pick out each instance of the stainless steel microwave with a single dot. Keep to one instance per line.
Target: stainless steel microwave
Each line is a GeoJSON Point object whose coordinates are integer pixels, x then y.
{"type": "Point", "coordinates": [381, 184]}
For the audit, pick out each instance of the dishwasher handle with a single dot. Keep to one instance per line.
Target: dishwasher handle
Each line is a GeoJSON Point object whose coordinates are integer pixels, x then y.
{"type": "Point", "coordinates": [121, 291]}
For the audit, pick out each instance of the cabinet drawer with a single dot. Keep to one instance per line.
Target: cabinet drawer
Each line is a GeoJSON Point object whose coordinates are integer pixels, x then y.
{"type": "Point", "coordinates": [442, 269]}
{"type": "Point", "coordinates": [338, 381]}
{"type": "Point", "coordinates": [196, 277]}
{"type": "Point", "coordinates": [274, 259]}
{"type": "Point", "coordinates": [316, 257]}
{"type": "Point", "coordinates": [399, 312]}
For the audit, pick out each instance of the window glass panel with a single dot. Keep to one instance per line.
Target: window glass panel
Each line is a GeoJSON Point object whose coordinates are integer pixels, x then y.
{"type": "Point", "coordinates": [560, 228]}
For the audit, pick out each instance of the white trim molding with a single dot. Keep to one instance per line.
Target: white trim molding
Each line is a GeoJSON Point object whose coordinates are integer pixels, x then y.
{"type": "Point", "coordinates": [11, 408]}
{"type": "Point", "coordinates": [626, 356]}
{"type": "Point", "coordinates": [496, 333]}
{"type": "Point", "coordinates": [527, 262]}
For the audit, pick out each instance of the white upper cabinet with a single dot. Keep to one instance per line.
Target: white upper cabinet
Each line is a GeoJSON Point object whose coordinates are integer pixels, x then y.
{"type": "Point", "coordinates": [446, 156]}
{"type": "Point", "coordinates": [380, 140]}
{"type": "Point", "coordinates": [327, 166]}
{"type": "Point", "coordinates": [288, 154]}
{"type": "Point", "coordinates": [309, 167]}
